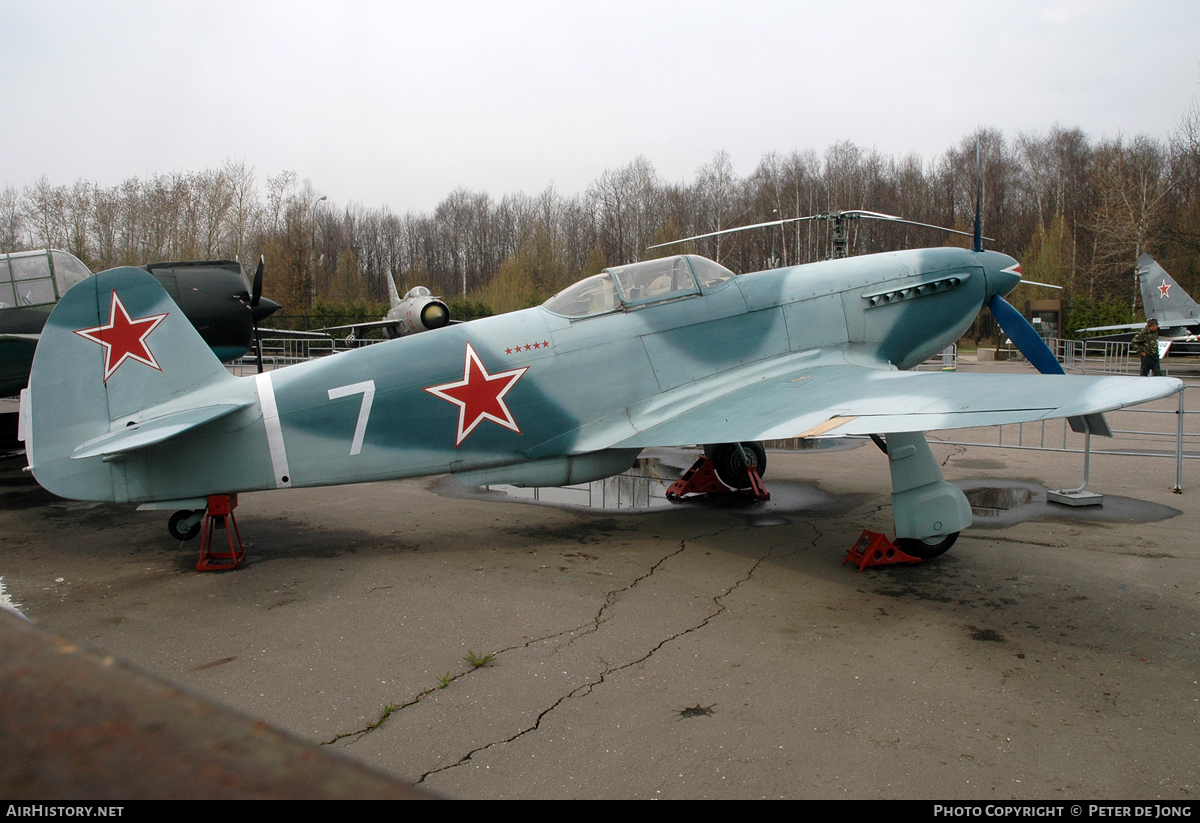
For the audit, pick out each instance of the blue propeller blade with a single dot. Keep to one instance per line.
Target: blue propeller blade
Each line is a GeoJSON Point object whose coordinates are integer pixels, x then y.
{"type": "Point", "coordinates": [1024, 336]}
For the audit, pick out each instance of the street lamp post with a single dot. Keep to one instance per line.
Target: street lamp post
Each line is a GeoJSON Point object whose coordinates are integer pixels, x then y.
{"type": "Point", "coordinates": [312, 296]}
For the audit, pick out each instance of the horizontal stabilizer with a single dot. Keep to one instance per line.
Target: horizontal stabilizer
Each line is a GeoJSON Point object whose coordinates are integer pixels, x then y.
{"type": "Point", "coordinates": [141, 435]}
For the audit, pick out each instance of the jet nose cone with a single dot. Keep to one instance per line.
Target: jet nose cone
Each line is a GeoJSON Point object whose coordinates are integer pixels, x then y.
{"type": "Point", "coordinates": [264, 309]}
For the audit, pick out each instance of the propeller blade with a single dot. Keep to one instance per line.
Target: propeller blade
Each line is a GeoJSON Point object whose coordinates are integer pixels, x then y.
{"type": "Point", "coordinates": [979, 201]}
{"type": "Point", "coordinates": [256, 292]}
{"type": "Point", "coordinates": [1024, 336]}
{"type": "Point", "coordinates": [258, 347]}
{"type": "Point", "coordinates": [852, 214]}
{"type": "Point", "coordinates": [738, 228]}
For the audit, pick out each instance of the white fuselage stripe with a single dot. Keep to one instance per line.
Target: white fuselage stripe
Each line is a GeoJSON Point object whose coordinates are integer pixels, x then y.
{"type": "Point", "coordinates": [266, 400]}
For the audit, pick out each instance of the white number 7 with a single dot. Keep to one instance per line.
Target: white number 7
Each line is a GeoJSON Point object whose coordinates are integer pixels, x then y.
{"type": "Point", "coordinates": [367, 389]}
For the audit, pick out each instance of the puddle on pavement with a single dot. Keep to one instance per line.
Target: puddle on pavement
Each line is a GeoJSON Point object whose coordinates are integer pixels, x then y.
{"type": "Point", "coordinates": [643, 488]}
{"type": "Point", "coordinates": [998, 504]}
{"type": "Point", "coordinates": [991, 501]}
{"type": "Point", "coordinates": [645, 485]}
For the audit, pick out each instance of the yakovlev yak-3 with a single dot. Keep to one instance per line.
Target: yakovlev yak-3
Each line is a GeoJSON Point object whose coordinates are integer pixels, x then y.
{"type": "Point", "coordinates": [126, 403]}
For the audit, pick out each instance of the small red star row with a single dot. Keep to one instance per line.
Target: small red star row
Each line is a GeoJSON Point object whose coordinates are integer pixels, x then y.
{"type": "Point", "coordinates": [545, 344]}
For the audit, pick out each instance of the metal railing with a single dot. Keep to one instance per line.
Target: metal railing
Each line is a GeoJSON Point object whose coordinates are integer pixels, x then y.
{"type": "Point", "coordinates": [1172, 441]}
{"type": "Point", "coordinates": [629, 490]}
{"type": "Point", "coordinates": [946, 360]}
{"type": "Point", "coordinates": [286, 351]}
{"type": "Point", "coordinates": [1095, 356]}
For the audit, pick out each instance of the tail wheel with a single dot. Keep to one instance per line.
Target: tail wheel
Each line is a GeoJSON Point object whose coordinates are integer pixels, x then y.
{"type": "Point", "coordinates": [730, 465]}
{"type": "Point", "coordinates": [926, 548]}
{"type": "Point", "coordinates": [178, 527]}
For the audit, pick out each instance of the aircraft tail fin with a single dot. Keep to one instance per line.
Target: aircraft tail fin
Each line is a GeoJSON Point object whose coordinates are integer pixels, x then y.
{"type": "Point", "coordinates": [393, 295]}
{"type": "Point", "coordinates": [1163, 298]}
{"type": "Point", "coordinates": [115, 353]}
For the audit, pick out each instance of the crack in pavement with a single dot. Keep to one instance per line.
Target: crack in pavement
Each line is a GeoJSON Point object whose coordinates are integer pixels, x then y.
{"type": "Point", "coordinates": [612, 597]}
{"type": "Point", "coordinates": [961, 450]}
{"type": "Point", "coordinates": [352, 737]}
{"type": "Point", "coordinates": [586, 688]}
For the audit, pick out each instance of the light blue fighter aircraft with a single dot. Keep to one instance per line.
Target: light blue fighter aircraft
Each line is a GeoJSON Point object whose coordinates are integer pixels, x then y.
{"type": "Point", "coordinates": [126, 403]}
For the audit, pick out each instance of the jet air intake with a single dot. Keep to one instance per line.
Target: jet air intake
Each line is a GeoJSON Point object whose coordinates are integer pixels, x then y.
{"type": "Point", "coordinates": [435, 315]}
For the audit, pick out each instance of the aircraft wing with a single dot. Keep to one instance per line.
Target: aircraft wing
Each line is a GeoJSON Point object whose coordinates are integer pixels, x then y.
{"type": "Point", "coordinates": [1124, 327]}
{"type": "Point", "coordinates": [839, 400]}
{"type": "Point", "coordinates": [374, 324]}
{"type": "Point", "coordinates": [1162, 324]}
{"type": "Point", "coordinates": [396, 326]}
{"type": "Point", "coordinates": [291, 334]}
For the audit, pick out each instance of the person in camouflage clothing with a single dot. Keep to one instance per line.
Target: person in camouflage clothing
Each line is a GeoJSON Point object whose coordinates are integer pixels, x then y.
{"type": "Point", "coordinates": [1145, 343]}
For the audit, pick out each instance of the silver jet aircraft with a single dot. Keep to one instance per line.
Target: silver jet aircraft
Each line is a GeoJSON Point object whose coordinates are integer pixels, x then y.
{"type": "Point", "coordinates": [127, 404]}
{"type": "Point", "coordinates": [418, 311]}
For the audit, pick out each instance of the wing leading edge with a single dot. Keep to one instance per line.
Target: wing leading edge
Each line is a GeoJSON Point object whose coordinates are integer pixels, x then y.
{"type": "Point", "coordinates": [847, 399]}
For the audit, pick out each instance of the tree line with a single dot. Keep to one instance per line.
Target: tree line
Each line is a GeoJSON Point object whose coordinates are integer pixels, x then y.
{"type": "Point", "coordinates": [1077, 211]}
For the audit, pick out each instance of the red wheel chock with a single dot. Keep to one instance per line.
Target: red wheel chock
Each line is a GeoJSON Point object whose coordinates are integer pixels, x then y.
{"type": "Point", "coordinates": [702, 478]}
{"type": "Point", "coordinates": [874, 549]}
{"type": "Point", "coordinates": [220, 506]}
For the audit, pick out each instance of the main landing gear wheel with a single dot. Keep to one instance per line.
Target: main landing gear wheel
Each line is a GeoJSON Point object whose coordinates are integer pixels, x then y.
{"type": "Point", "coordinates": [926, 548]}
{"type": "Point", "coordinates": [731, 468]}
{"type": "Point", "coordinates": [176, 525]}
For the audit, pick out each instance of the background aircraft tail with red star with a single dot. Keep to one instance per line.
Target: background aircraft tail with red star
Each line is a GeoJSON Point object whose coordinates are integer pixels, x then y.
{"type": "Point", "coordinates": [1163, 298]}
{"type": "Point", "coordinates": [1178, 315]}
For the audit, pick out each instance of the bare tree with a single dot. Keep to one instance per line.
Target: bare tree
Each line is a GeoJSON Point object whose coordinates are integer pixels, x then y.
{"type": "Point", "coordinates": [1132, 184]}
{"type": "Point", "coordinates": [12, 220]}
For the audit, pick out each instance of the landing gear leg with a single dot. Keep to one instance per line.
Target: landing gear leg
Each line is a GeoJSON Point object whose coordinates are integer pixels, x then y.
{"type": "Point", "coordinates": [929, 512]}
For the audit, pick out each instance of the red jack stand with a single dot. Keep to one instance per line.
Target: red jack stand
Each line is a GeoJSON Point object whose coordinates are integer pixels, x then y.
{"type": "Point", "coordinates": [220, 506]}
{"type": "Point", "coordinates": [874, 549]}
{"type": "Point", "coordinates": [702, 478]}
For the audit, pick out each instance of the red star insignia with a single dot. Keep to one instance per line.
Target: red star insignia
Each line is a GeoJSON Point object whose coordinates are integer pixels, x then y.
{"type": "Point", "coordinates": [537, 345]}
{"type": "Point", "coordinates": [527, 347]}
{"type": "Point", "coordinates": [508, 351]}
{"type": "Point", "coordinates": [479, 396]}
{"type": "Point", "coordinates": [123, 338]}
{"type": "Point", "coordinates": [1164, 289]}
{"type": "Point", "coordinates": [545, 344]}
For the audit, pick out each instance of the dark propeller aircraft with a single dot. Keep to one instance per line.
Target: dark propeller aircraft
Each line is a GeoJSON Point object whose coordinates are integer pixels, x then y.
{"type": "Point", "coordinates": [215, 295]}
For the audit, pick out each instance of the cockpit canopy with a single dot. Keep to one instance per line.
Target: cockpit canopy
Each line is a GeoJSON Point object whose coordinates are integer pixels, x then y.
{"type": "Point", "coordinates": [638, 284]}
{"type": "Point", "coordinates": [33, 278]}
{"type": "Point", "coordinates": [417, 291]}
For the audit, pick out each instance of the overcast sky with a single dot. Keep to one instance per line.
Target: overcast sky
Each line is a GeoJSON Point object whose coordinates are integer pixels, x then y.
{"type": "Point", "coordinates": [398, 104]}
